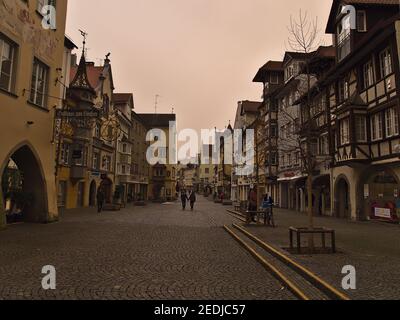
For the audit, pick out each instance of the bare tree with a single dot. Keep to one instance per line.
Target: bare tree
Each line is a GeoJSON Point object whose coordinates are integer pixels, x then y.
{"type": "Point", "coordinates": [303, 38]}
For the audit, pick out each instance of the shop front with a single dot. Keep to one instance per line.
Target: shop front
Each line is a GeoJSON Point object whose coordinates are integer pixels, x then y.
{"type": "Point", "coordinates": [381, 195]}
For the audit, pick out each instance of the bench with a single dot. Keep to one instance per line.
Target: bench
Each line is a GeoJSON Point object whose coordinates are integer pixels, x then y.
{"type": "Point", "coordinates": [321, 231]}
{"type": "Point", "coordinates": [250, 214]}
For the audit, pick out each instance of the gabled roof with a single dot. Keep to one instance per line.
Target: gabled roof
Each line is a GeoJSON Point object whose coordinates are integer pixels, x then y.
{"type": "Point", "coordinates": [153, 120]}
{"type": "Point", "coordinates": [330, 28]}
{"type": "Point", "coordinates": [270, 66]}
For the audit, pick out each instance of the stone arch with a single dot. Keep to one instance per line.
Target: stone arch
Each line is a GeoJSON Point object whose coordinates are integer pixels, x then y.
{"type": "Point", "coordinates": [342, 202]}
{"type": "Point", "coordinates": [27, 160]}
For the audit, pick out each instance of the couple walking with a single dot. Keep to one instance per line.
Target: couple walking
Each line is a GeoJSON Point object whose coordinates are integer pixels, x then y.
{"type": "Point", "coordinates": [191, 197]}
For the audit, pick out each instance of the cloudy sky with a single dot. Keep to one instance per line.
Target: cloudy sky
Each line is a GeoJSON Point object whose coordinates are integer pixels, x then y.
{"type": "Point", "coordinates": [200, 56]}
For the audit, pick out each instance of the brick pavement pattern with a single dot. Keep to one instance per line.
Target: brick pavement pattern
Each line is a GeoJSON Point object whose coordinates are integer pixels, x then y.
{"type": "Point", "coordinates": [373, 248]}
{"type": "Point", "coordinates": [154, 252]}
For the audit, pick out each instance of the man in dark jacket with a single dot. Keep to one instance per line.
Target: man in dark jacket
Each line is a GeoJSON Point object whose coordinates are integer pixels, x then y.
{"type": "Point", "coordinates": [183, 199]}
{"type": "Point", "coordinates": [100, 200]}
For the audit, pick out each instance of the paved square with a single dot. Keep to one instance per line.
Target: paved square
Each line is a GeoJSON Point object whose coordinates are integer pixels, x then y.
{"type": "Point", "coordinates": [155, 252]}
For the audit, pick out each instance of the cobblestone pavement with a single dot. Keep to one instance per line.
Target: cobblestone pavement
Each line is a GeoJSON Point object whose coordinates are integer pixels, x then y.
{"type": "Point", "coordinates": [373, 248]}
{"type": "Point", "coordinates": [155, 252]}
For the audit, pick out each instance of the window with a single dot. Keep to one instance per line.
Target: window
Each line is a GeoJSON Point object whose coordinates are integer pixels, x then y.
{"type": "Point", "coordinates": [361, 21]}
{"type": "Point", "coordinates": [65, 154]}
{"type": "Point", "coordinates": [207, 171]}
{"type": "Point", "coordinates": [343, 37]}
{"type": "Point", "coordinates": [376, 127]}
{"type": "Point", "coordinates": [124, 148]}
{"type": "Point", "coordinates": [324, 145]}
{"type": "Point", "coordinates": [39, 85]}
{"type": "Point", "coordinates": [107, 163]}
{"type": "Point", "coordinates": [274, 78]}
{"type": "Point", "coordinates": [297, 159]}
{"type": "Point", "coordinates": [368, 72]}
{"type": "Point", "coordinates": [344, 132]}
{"type": "Point", "coordinates": [392, 122]}
{"type": "Point", "coordinates": [343, 90]}
{"type": "Point", "coordinates": [97, 130]}
{"type": "Point", "coordinates": [96, 161]}
{"type": "Point", "coordinates": [385, 63]}
{"type": "Point", "coordinates": [361, 128]}
{"type": "Point", "coordinates": [7, 61]}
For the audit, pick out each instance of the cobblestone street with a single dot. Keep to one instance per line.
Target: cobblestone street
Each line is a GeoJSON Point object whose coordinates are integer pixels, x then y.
{"type": "Point", "coordinates": [154, 252]}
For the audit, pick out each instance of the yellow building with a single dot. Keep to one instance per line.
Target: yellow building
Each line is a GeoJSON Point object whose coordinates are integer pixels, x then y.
{"type": "Point", "coordinates": [31, 63]}
{"type": "Point", "coordinates": [163, 177]}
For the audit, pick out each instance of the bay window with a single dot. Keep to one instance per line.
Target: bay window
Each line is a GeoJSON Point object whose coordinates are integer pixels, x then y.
{"type": "Point", "coordinates": [361, 128]}
{"type": "Point", "coordinates": [344, 132]}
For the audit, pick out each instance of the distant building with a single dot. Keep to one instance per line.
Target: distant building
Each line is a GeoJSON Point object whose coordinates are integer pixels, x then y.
{"type": "Point", "coordinates": [163, 177]}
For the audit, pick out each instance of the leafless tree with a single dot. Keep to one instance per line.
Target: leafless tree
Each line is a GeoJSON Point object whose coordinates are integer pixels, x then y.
{"type": "Point", "coordinates": [303, 38]}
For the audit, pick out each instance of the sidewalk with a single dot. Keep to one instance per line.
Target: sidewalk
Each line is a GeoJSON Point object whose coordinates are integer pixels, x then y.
{"type": "Point", "coordinates": [373, 248]}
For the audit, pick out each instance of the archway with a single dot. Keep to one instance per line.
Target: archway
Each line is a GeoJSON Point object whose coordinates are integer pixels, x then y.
{"type": "Point", "coordinates": [92, 194]}
{"type": "Point", "coordinates": [342, 199]}
{"type": "Point", "coordinates": [23, 187]}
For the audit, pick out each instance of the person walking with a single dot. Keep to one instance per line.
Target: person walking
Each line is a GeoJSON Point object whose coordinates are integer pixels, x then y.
{"type": "Point", "coordinates": [184, 199]}
{"type": "Point", "coordinates": [192, 199]}
{"type": "Point", "coordinates": [100, 200]}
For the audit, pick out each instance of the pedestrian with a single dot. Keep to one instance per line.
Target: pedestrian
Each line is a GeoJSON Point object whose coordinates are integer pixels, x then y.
{"type": "Point", "coordinates": [183, 199]}
{"type": "Point", "coordinates": [100, 200]}
{"type": "Point", "coordinates": [192, 199]}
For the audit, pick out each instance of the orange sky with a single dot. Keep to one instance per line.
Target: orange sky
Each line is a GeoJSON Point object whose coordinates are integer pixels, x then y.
{"type": "Point", "coordinates": [200, 56]}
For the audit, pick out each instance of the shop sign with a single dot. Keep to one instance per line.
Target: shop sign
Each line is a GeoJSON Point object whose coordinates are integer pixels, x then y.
{"type": "Point", "coordinates": [383, 213]}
